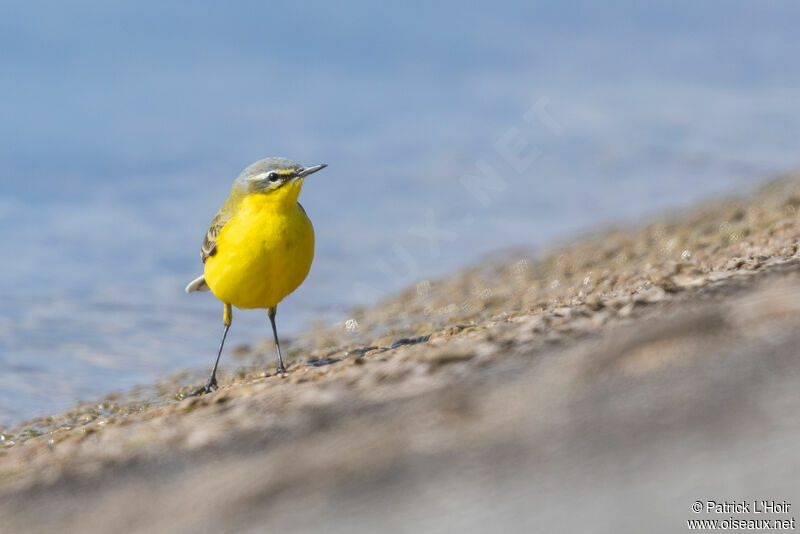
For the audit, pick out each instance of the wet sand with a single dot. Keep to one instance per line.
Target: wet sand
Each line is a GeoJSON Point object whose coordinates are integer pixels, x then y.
{"type": "Point", "coordinates": [605, 386]}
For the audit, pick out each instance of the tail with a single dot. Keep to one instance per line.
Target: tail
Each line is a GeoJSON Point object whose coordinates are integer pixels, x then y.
{"type": "Point", "coordinates": [198, 284]}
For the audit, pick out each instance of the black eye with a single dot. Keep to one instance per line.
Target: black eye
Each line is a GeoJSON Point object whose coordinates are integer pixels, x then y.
{"type": "Point", "coordinates": [272, 176]}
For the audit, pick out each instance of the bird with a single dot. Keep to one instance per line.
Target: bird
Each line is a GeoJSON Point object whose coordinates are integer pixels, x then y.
{"type": "Point", "coordinates": [259, 246]}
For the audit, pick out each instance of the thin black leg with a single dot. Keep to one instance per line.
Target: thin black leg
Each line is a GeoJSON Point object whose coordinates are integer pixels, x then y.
{"type": "Point", "coordinates": [211, 385]}
{"type": "Point", "coordinates": [271, 312]}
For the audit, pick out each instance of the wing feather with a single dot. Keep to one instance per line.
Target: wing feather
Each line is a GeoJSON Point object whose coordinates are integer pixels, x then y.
{"type": "Point", "coordinates": [209, 246]}
{"type": "Point", "coordinates": [225, 213]}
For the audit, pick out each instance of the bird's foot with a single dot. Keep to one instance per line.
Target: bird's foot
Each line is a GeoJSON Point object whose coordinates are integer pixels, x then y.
{"type": "Point", "coordinates": [210, 386]}
{"type": "Point", "coordinates": [281, 370]}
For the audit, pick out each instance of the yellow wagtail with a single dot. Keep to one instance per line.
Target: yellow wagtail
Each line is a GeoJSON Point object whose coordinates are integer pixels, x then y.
{"type": "Point", "coordinates": [259, 247]}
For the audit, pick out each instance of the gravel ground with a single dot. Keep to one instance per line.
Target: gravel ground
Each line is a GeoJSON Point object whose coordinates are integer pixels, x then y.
{"type": "Point", "coordinates": [605, 386]}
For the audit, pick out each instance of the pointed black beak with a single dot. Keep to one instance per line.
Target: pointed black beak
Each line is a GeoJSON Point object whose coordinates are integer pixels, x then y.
{"type": "Point", "coordinates": [310, 170]}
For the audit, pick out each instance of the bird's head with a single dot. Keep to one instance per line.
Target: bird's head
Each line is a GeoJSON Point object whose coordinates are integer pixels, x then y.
{"type": "Point", "coordinates": [278, 177]}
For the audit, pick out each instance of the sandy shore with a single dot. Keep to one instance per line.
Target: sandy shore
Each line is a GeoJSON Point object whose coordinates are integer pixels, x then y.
{"type": "Point", "coordinates": [607, 384]}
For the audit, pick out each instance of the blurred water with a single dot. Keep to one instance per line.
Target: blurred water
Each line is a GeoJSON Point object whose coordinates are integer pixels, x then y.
{"type": "Point", "coordinates": [450, 131]}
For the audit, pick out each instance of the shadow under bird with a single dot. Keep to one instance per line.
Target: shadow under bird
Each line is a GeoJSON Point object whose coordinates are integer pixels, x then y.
{"type": "Point", "coordinates": [259, 247]}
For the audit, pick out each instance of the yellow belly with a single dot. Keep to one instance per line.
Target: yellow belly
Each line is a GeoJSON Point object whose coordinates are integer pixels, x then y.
{"type": "Point", "coordinates": [263, 253]}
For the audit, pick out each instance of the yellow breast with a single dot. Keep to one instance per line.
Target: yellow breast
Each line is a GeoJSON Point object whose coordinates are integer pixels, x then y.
{"type": "Point", "coordinates": [264, 252]}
